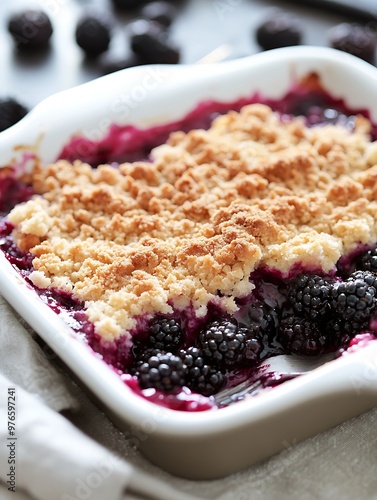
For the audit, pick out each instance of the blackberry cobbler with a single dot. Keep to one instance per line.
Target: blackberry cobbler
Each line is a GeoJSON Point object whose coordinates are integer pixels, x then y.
{"type": "Point", "coordinates": [254, 237]}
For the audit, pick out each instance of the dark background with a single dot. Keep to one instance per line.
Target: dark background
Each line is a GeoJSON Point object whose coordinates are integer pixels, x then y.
{"type": "Point", "coordinates": [201, 27]}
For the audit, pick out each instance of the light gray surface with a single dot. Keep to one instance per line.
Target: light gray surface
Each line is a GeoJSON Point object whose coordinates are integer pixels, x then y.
{"type": "Point", "coordinates": [201, 26]}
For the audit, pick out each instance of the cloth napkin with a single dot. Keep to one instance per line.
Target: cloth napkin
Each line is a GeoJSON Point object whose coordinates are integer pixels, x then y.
{"type": "Point", "coordinates": [68, 449]}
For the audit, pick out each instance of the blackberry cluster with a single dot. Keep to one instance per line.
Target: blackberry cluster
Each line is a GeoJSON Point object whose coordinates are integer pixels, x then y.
{"type": "Point", "coordinates": [223, 344]}
{"type": "Point", "coordinates": [321, 314]}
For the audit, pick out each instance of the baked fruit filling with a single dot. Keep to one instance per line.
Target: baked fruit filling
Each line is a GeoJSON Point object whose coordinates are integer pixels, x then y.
{"type": "Point", "coordinates": [254, 237]}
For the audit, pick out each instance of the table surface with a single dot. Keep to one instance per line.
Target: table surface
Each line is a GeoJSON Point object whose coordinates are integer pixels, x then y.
{"type": "Point", "coordinates": [201, 27]}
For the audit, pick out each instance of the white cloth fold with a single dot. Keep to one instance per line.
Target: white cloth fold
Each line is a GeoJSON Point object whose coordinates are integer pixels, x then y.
{"type": "Point", "coordinates": [53, 460]}
{"type": "Point", "coordinates": [27, 365]}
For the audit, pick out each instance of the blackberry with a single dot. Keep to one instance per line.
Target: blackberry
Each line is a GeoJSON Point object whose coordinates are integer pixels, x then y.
{"type": "Point", "coordinates": [225, 343]}
{"type": "Point", "coordinates": [162, 335]}
{"type": "Point", "coordinates": [279, 30]}
{"type": "Point", "coordinates": [161, 12]}
{"type": "Point", "coordinates": [368, 277]}
{"type": "Point", "coordinates": [93, 35]}
{"type": "Point", "coordinates": [165, 334]}
{"type": "Point", "coordinates": [126, 4]}
{"type": "Point", "coordinates": [109, 63]}
{"type": "Point", "coordinates": [253, 347]}
{"type": "Point", "coordinates": [30, 29]}
{"type": "Point", "coordinates": [309, 296]}
{"type": "Point", "coordinates": [354, 301]}
{"type": "Point", "coordinates": [263, 321]}
{"type": "Point", "coordinates": [201, 377]}
{"type": "Point", "coordinates": [149, 41]}
{"type": "Point", "coordinates": [11, 111]}
{"type": "Point", "coordinates": [367, 261]}
{"type": "Point", "coordinates": [301, 336]}
{"type": "Point", "coordinates": [165, 372]}
{"type": "Point", "coordinates": [354, 39]}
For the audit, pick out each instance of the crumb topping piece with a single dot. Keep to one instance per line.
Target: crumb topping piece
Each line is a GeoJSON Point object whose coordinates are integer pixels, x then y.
{"type": "Point", "coordinates": [211, 206]}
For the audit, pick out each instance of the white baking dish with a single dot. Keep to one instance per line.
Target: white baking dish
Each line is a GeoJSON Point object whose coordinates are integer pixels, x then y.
{"type": "Point", "coordinates": [214, 443]}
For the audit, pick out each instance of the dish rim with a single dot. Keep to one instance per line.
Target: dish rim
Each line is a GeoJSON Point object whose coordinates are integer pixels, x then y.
{"type": "Point", "coordinates": [95, 373]}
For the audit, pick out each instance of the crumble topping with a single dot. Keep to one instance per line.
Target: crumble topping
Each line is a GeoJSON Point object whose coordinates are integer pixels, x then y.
{"type": "Point", "coordinates": [210, 207]}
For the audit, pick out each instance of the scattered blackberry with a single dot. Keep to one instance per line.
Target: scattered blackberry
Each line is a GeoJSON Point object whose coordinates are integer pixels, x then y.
{"type": "Point", "coordinates": [354, 39]}
{"type": "Point", "coordinates": [165, 372]}
{"type": "Point", "coordinates": [367, 261]}
{"type": "Point", "coordinates": [281, 29]}
{"type": "Point", "coordinates": [309, 296]}
{"type": "Point", "coordinates": [30, 29]}
{"type": "Point", "coordinates": [11, 111]}
{"type": "Point", "coordinates": [225, 343]}
{"type": "Point", "coordinates": [161, 12]}
{"type": "Point", "coordinates": [109, 63]}
{"type": "Point", "coordinates": [353, 302]}
{"type": "Point", "coordinates": [201, 377]}
{"type": "Point", "coordinates": [301, 336]}
{"type": "Point", "coordinates": [126, 4]}
{"type": "Point", "coordinates": [93, 35]}
{"type": "Point", "coordinates": [149, 41]}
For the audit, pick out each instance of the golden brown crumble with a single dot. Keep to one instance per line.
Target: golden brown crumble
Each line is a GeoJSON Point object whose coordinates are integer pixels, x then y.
{"type": "Point", "coordinates": [190, 226]}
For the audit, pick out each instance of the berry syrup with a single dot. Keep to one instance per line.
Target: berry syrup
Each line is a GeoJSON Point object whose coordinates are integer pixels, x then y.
{"type": "Point", "coordinates": [129, 143]}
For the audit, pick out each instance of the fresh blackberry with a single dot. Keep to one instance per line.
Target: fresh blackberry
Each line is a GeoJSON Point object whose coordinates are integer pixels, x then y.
{"type": "Point", "coordinates": [354, 39]}
{"type": "Point", "coordinates": [225, 343]}
{"type": "Point", "coordinates": [309, 296]}
{"type": "Point", "coordinates": [367, 261]}
{"type": "Point", "coordinates": [149, 41]}
{"type": "Point", "coordinates": [30, 29]}
{"type": "Point", "coordinates": [165, 372]}
{"type": "Point", "coordinates": [93, 35]}
{"type": "Point", "coordinates": [201, 377]}
{"type": "Point", "coordinates": [11, 111]}
{"type": "Point", "coordinates": [354, 301]}
{"type": "Point", "coordinates": [161, 12]}
{"type": "Point", "coordinates": [301, 336]}
{"type": "Point", "coordinates": [280, 29]}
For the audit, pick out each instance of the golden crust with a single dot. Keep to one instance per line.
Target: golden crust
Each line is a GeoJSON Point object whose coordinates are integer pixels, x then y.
{"type": "Point", "coordinates": [190, 226]}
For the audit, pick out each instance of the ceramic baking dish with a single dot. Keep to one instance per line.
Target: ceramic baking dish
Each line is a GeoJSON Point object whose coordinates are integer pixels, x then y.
{"type": "Point", "coordinates": [207, 444]}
